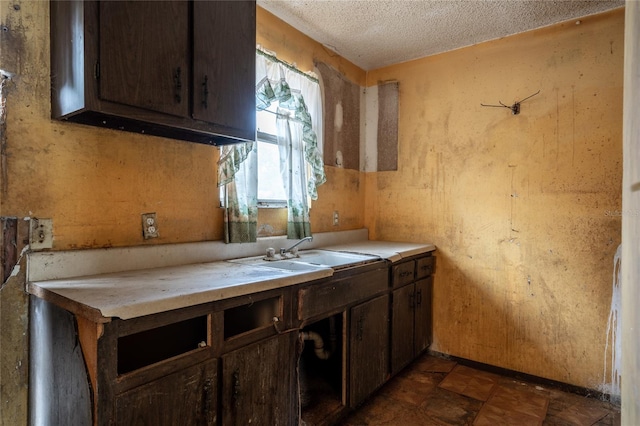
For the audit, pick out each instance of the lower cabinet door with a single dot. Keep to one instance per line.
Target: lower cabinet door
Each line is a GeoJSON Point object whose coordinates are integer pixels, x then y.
{"type": "Point", "coordinates": [402, 328]}
{"type": "Point", "coordinates": [423, 315]}
{"type": "Point", "coordinates": [186, 397]}
{"type": "Point", "coordinates": [369, 349]}
{"type": "Point", "coordinates": [257, 382]}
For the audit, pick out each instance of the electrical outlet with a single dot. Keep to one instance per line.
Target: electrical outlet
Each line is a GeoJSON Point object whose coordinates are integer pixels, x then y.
{"type": "Point", "coordinates": [336, 218]}
{"type": "Point", "coordinates": [149, 226]}
{"type": "Point", "coordinates": [41, 234]}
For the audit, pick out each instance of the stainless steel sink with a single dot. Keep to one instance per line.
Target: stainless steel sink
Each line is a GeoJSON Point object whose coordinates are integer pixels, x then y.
{"type": "Point", "coordinates": [333, 259]}
{"type": "Point", "coordinates": [285, 264]}
{"type": "Point", "coordinates": [311, 260]}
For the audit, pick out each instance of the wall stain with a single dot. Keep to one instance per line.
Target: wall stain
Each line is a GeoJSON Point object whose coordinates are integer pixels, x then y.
{"type": "Point", "coordinates": [4, 184]}
{"type": "Point", "coordinates": [573, 124]}
{"type": "Point", "coordinates": [338, 90]}
{"type": "Point", "coordinates": [613, 360]}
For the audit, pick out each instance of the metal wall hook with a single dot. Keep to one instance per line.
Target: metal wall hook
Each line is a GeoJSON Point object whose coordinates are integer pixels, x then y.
{"type": "Point", "coordinates": [515, 108]}
{"type": "Point", "coordinates": [6, 75]}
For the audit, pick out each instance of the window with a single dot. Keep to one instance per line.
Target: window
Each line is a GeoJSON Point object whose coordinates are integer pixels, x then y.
{"type": "Point", "coordinates": [270, 188]}
{"type": "Point", "coordinates": [252, 174]}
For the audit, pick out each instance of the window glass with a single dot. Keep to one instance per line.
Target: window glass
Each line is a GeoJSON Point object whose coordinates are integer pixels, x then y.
{"type": "Point", "coordinates": [270, 188]}
{"type": "Point", "coordinates": [269, 181]}
{"type": "Point", "coordinates": [266, 121]}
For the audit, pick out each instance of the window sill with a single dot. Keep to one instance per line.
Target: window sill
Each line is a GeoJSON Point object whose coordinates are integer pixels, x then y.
{"type": "Point", "coordinates": [272, 204]}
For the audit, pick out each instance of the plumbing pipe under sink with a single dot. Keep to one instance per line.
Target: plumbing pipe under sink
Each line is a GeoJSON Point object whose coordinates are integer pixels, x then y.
{"type": "Point", "coordinates": [318, 342]}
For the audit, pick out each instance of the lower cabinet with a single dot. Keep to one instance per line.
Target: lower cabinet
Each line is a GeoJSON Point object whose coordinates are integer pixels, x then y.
{"type": "Point", "coordinates": [353, 307]}
{"type": "Point", "coordinates": [411, 322]}
{"type": "Point", "coordinates": [187, 397]}
{"type": "Point", "coordinates": [257, 383]}
{"type": "Point", "coordinates": [369, 337]}
{"type": "Point", "coordinates": [233, 361]}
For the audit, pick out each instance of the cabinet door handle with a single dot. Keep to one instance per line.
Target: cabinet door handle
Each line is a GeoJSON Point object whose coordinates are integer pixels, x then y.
{"type": "Point", "coordinates": [177, 81]}
{"type": "Point", "coordinates": [412, 300]}
{"type": "Point", "coordinates": [205, 92]}
{"type": "Point", "coordinates": [359, 328]}
{"type": "Point", "coordinates": [207, 400]}
{"type": "Point", "coordinates": [406, 274]}
{"type": "Point", "coordinates": [236, 388]}
{"type": "Point", "coordinates": [419, 294]}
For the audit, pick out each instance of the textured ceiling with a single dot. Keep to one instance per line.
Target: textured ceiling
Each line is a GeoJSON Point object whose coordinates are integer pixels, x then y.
{"type": "Point", "coordinates": [377, 33]}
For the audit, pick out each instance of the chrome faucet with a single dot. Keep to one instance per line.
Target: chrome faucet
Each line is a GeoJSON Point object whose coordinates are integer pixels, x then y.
{"type": "Point", "coordinates": [284, 251]}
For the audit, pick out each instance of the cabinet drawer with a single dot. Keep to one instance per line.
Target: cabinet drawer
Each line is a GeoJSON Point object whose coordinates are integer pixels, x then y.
{"type": "Point", "coordinates": [425, 267]}
{"type": "Point", "coordinates": [333, 295]}
{"type": "Point", "coordinates": [403, 273]}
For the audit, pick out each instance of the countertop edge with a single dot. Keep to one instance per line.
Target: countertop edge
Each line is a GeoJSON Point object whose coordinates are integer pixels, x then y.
{"type": "Point", "coordinates": [148, 307]}
{"type": "Point", "coordinates": [75, 307]}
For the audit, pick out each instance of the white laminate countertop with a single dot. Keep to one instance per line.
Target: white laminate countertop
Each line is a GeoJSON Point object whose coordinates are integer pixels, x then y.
{"type": "Point", "coordinates": [134, 294]}
{"type": "Point", "coordinates": [138, 292]}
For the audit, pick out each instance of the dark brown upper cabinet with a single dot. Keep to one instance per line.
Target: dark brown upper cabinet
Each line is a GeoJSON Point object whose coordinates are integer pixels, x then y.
{"type": "Point", "coordinates": [144, 55]}
{"type": "Point", "coordinates": [178, 69]}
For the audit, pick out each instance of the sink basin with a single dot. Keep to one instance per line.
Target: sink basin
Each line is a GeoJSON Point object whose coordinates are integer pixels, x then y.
{"type": "Point", "coordinates": [333, 259]}
{"type": "Point", "coordinates": [311, 260]}
{"type": "Point", "coordinates": [290, 265]}
{"type": "Point", "coordinates": [287, 264]}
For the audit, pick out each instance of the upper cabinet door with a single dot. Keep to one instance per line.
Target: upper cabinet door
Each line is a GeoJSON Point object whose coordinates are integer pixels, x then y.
{"type": "Point", "coordinates": [224, 42]}
{"type": "Point", "coordinates": [144, 55]}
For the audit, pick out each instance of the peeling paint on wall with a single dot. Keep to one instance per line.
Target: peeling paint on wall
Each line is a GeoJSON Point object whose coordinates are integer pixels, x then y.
{"type": "Point", "coordinates": [388, 126]}
{"type": "Point", "coordinates": [613, 347]}
{"type": "Point", "coordinates": [3, 133]}
{"type": "Point", "coordinates": [342, 119]}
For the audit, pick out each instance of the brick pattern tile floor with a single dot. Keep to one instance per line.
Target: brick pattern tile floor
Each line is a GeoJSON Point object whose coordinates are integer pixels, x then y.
{"type": "Point", "coordinates": [435, 391]}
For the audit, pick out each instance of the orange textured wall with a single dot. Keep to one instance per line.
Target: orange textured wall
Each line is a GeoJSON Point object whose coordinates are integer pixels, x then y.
{"type": "Point", "coordinates": [521, 207]}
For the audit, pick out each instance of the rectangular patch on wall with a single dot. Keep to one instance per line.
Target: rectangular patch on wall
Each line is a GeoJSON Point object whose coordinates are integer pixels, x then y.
{"type": "Point", "coordinates": [388, 126]}
{"type": "Point", "coordinates": [341, 119]}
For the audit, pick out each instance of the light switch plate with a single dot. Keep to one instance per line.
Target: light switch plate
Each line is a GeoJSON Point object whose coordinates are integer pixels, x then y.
{"type": "Point", "coordinates": [40, 234]}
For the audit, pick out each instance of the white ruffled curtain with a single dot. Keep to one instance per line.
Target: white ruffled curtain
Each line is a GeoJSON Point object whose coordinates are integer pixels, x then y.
{"type": "Point", "coordinates": [299, 103]}
{"type": "Point", "coordinates": [238, 174]}
{"type": "Point", "coordinates": [293, 171]}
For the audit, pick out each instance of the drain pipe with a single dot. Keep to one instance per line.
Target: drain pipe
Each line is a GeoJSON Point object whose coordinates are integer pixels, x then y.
{"type": "Point", "coordinates": [318, 344]}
